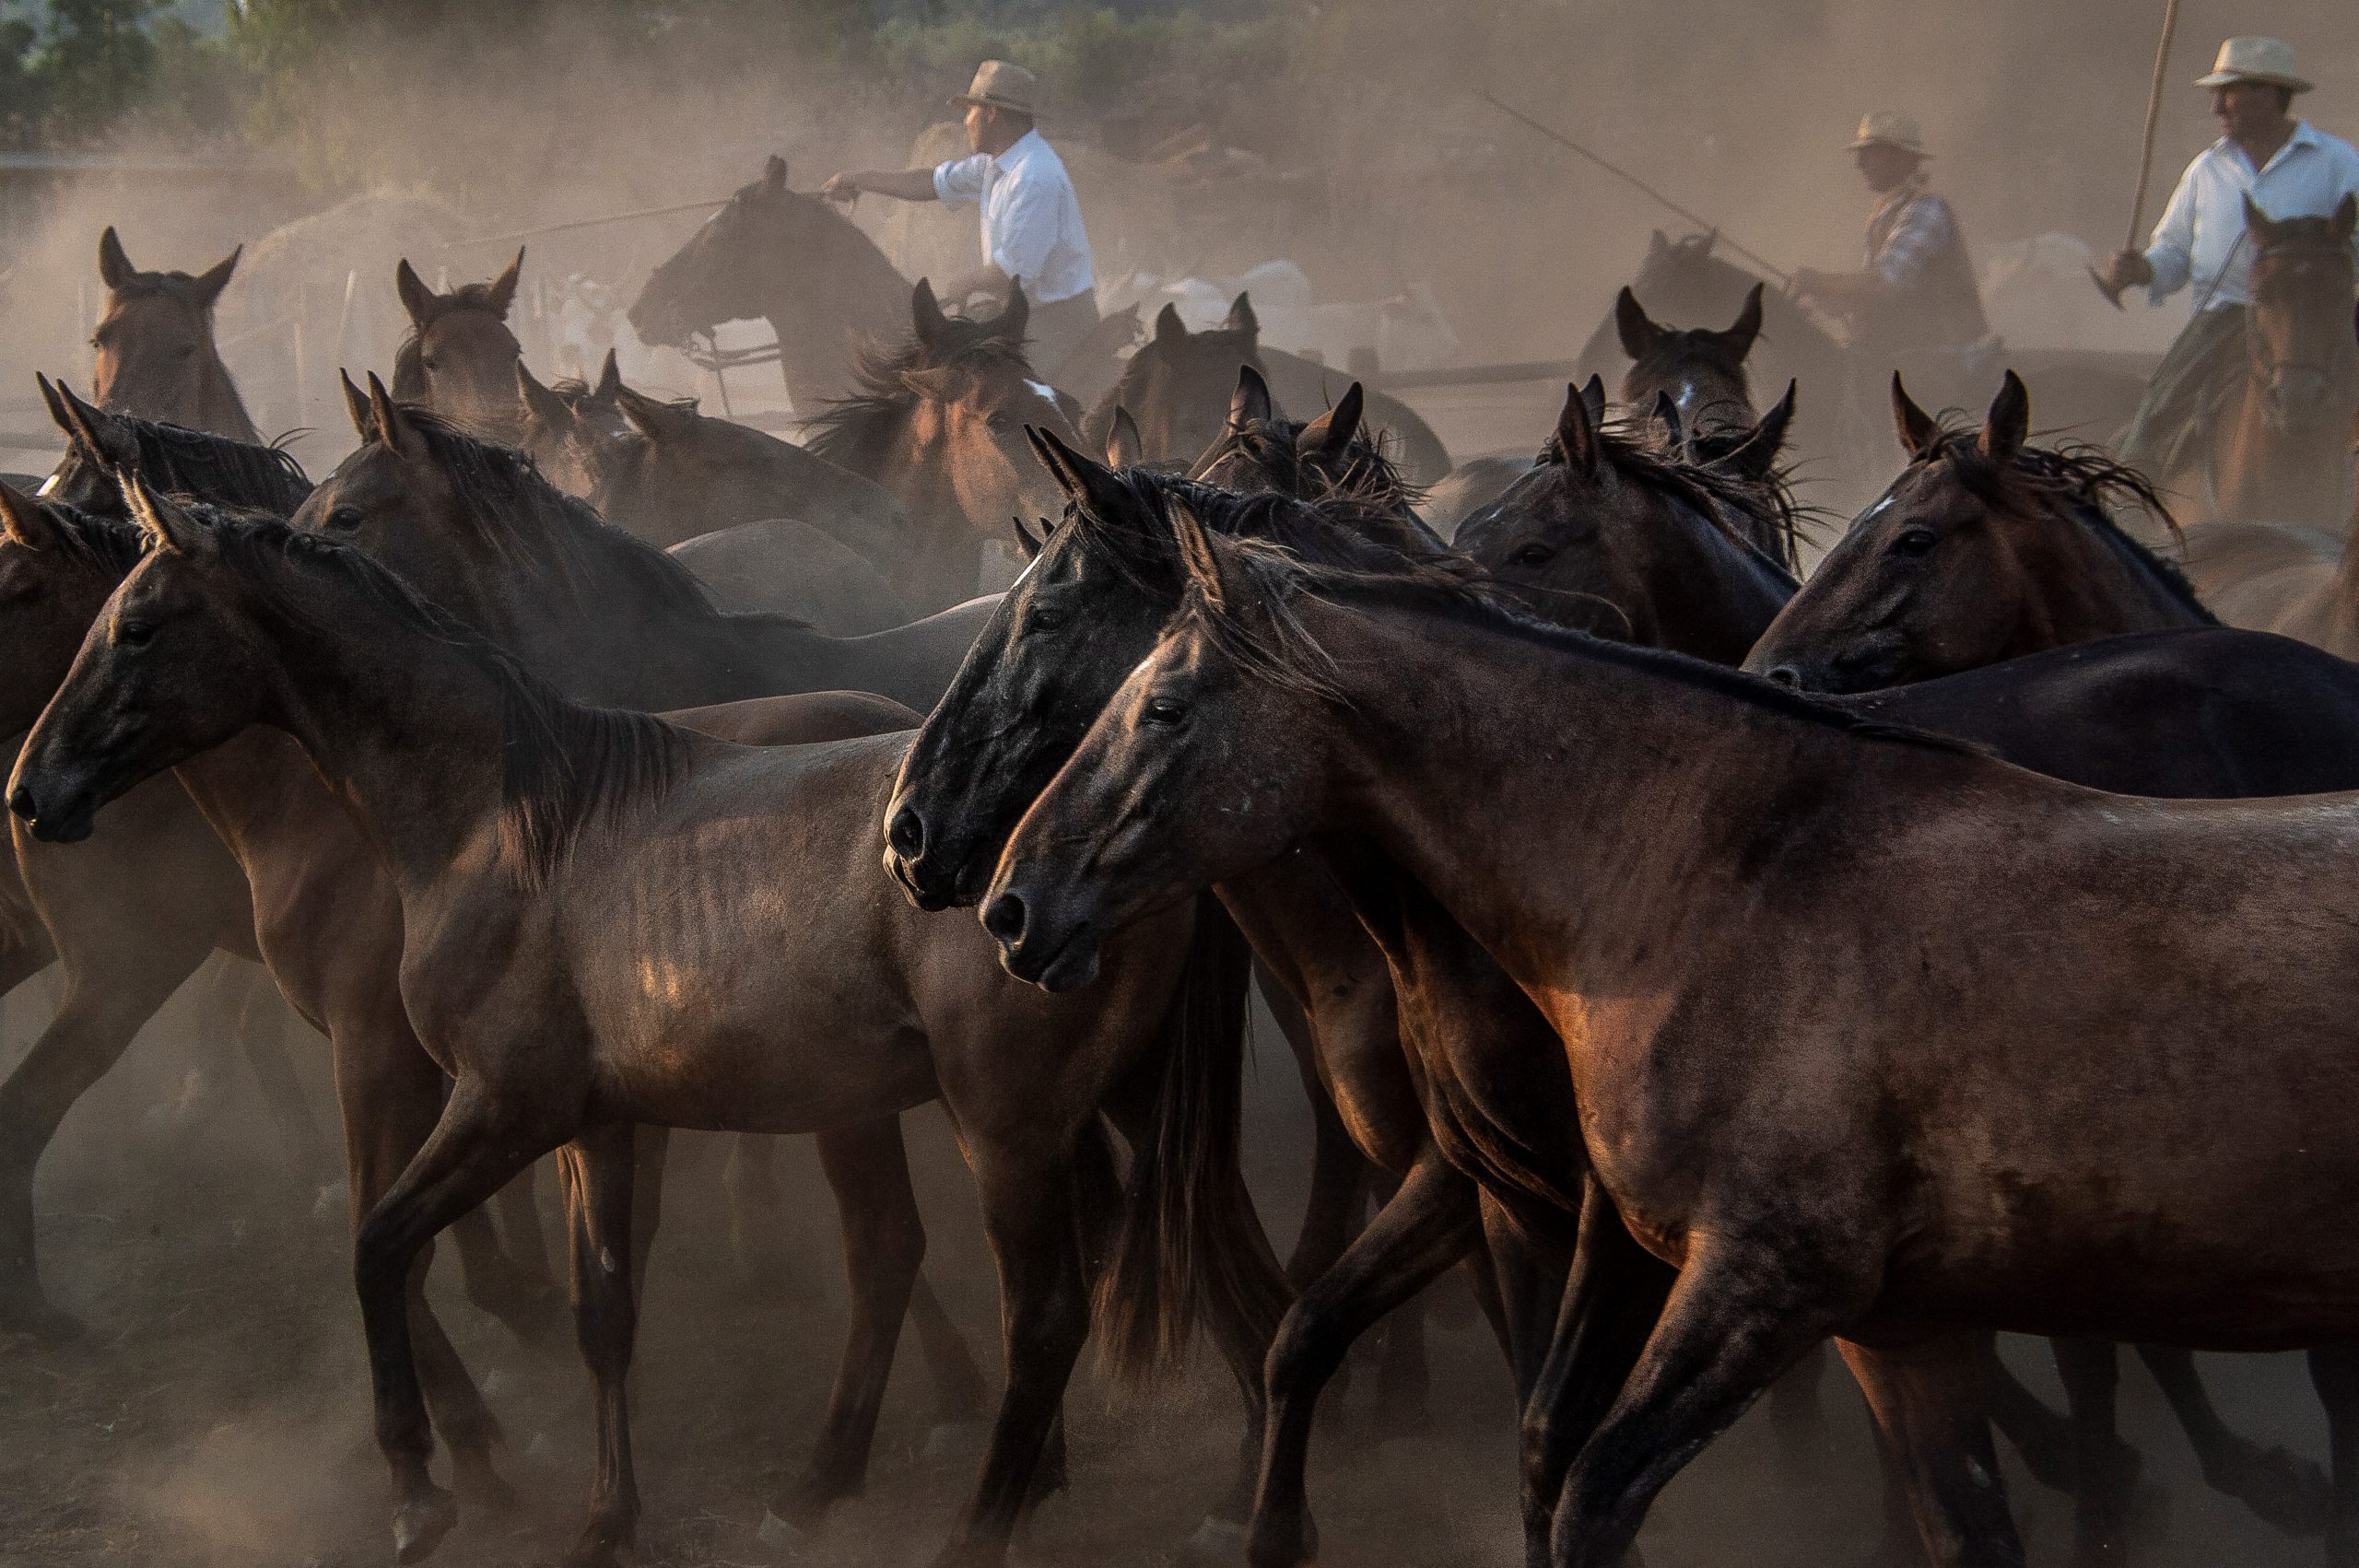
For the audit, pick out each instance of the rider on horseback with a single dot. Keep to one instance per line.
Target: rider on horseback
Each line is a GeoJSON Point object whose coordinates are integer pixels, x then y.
{"type": "Point", "coordinates": [2288, 169]}
{"type": "Point", "coordinates": [1915, 306]}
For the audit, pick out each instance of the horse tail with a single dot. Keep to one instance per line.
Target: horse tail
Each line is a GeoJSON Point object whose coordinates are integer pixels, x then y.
{"type": "Point", "coordinates": [1191, 1248]}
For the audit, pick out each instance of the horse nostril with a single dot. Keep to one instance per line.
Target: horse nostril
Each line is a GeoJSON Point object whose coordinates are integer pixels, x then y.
{"type": "Point", "coordinates": [1786, 675]}
{"type": "Point", "coordinates": [905, 834]}
{"type": "Point", "coordinates": [21, 801]}
{"type": "Point", "coordinates": [1005, 919]}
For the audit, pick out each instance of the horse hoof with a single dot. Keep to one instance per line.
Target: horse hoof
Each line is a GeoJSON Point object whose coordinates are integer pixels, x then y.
{"type": "Point", "coordinates": [802, 1507]}
{"type": "Point", "coordinates": [1277, 1547]}
{"type": "Point", "coordinates": [420, 1523]}
{"type": "Point", "coordinates": [2282, 1490]}
{"type": "Point", "coordinates": [1220, 1544]}
{"type": "Point", "coordinates": [594, 1550]}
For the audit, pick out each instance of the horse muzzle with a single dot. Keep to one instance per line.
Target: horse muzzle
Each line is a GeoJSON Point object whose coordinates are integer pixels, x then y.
{"type": "Point", "coordinates": [53, 815]}
{"type": "Point", "coordinates": [1035, 945]}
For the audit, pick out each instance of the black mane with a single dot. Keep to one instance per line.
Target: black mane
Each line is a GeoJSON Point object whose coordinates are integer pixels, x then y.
{"type": "Point", "coordinates": [219, 469]}
{"type": "Point", "coordinates": [1636, 449]}
{"type": "Point", "coordinates": [850, 430]}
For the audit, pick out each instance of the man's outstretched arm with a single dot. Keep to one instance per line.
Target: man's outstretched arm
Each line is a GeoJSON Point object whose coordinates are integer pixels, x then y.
{"type": "Point", "coordinates": [909, 185]}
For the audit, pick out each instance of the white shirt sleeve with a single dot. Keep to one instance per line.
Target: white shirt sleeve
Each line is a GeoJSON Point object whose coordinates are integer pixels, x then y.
{"type": "Point", "coordinates": [2172, 251]}
{"type": "Point", "coordinates": [1027, 231]}
{"type": "Point", "coordinates": [962, 181]}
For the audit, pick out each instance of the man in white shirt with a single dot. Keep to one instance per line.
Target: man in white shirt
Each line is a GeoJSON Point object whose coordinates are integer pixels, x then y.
{"type": "Point", "coordinates": [2289, 168]}
{"type": "Point", "coordinates": [1031, 221]}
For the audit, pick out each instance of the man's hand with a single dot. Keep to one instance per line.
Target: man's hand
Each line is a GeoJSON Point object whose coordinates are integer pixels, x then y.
{"type": "Point", "coordinates": [2129, 269]}
{"type": "Point", "coordinates": [841, 188]}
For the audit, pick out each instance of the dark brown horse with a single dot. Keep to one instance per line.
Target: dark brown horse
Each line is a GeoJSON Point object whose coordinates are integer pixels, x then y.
{"type": "Point", "coordinates": [1700, 370]}
{"type": "Point", "coordinates": [1906, 1202]}
{"type": "Point", "coordinates": [155, 352]}
{"type": "Point", "coordinates": [1614, 533]}
{"type": "Point", "coordinates": [793, 259]}
{"type": "Point", "coordinates": [1984, 548]}
{"type": "Point", "coordinates": [1177, 386]}
{"type": "Point", "coordinates": [460, 359]}
{"type": "Point", "coordinates": [939, 422]}
{"type": "Point", "coordinates": [2275, 449]}
{"type": "Point", "coordinates": [543, 819]}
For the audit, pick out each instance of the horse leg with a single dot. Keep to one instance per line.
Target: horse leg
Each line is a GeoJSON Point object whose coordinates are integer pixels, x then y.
{"type": "Point", "coordinates": [2282, 1489]}
{"type": "Point", "coordinates": [462, 1164]}
{"type": "Point", "coordinates": [1428, 1224]}
{"type": "Point", "coordinates": [1735, 1322]}
{"type": "Point", "coordinates": [1525, 1282]}
{"type": "Point", "coordinates": [1613, 1298]}
{"type": "Point", "coordinates": [1029, 1215]}
{"type": "Point", "coordinates": [1338, 1171]}
{"type": "Point", "coordinates": [522, 1242]}
{"type": "Point", "coordinates": [2042, 1439]}
{"type": "Point", "coordinates": [95, 1023]}
{"type": "Point", "coordinates": [603, 1165]}
{"type": "Point", "coordinates": [949, 1360]}
{"type": "Point", "coordinates": [1927, 1399]}
{"type": "Point", "coordinates": [2334, 1373]}
{"type": "Point", "coordinates": [868, 1169]}
{"type": "Point", "coordinates": [2105, 1468]}
{"type": "Point", "coordinates": [757, 1209]}
{"type": "Point", "coordinates": [262, 1019]}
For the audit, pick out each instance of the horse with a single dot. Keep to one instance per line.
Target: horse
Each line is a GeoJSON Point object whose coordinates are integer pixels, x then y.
{"type": "Point", "coordinates": [460, 359]}
{"type": "Point", "coordinates": [154, 351]}
{"type": "Point", "coordinates": [1892, 1210]}
{"type": "Point", "coordinates": [793, 259]}
{"type": "Point", "coordinates": [671, 474]}
{"type": "Point", "coordinates": [939, 423]}
{"type": "Point", "coordinates": [477, 529]}
{"type": "Point", "coordinates": [1984, 548]}
{"type": "Point", "coordinates": [543, 818]}
{"type": "Point", "coordinates": [2313, 598]}
{"type": "Point", "coordinates": [2272, 446]}
{"type": "Point", "coordinates": [1178, 384]}
{"type": "Point", "coordinates": [1701, 370]}
{"type": "Point", "coordinates": [1614, 532]}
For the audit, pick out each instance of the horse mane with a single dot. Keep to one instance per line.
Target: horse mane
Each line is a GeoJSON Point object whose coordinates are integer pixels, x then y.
{"type": "Point", "coordinates": [221, 469]}
{"type": "Point", "coordinates": [561, 542]}
{"type": "Point", "coordinates": [1639, 454]}
{"type": "Point", "coordinates": [566, 768]}
{"type": "Point", "coordinates": [2082, 481]}
{"type": "Point", "coordinates": [112, 544]}
{"type": "Point", "coordinates": [1285, 653]}
{"type": "Point", "coordinates": [1369, 472]}
{"type": "Point", "coordinates": [848, 429]}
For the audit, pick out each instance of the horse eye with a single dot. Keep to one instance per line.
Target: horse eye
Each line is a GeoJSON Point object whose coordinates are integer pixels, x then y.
{"type": "Point", "coordinates": [135, 634]}
{"type": "Point", "coordinates": [1044, 618]}
{"type": "Point", "coordinates": [1914, 541]}
{"type": "Point", "coordinates": [344, 519]}
{"type": "Point", "coordinates": [1164, 710]}
{"type": "Point", "coordinates": [1533, 555]}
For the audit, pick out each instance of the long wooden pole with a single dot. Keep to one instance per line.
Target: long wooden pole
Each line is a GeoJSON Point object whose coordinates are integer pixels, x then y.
{"type": "Point", "coordinates": [2145, 148]}
{"type": "Point", "coordinates": [1775, 272]}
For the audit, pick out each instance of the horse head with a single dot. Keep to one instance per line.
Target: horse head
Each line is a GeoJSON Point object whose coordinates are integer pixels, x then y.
{"type": "Point", "coordinates": [155, 353]}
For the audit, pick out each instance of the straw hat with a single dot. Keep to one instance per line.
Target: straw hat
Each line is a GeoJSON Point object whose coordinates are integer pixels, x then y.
{"type": "Point", "coordinates": [1003, 86]}
{"type": "Point", "coordinates": [2254, 59]}
{"type": "Point", "coordinates": [1888, 128]}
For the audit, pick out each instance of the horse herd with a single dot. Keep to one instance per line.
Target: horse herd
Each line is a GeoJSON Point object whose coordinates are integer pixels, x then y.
{"type": "Point", "coordinates": [1708, 963]}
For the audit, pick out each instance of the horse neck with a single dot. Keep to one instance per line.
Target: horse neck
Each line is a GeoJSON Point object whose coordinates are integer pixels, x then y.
{"type": "Point", "coordinates": [252, 790]}
{"type": "Point", "coordinates": [219, 408]}
{"type": "Point", "coordinates": [830, 281]}
{"type": "Point", "coordinates": [2086, 586]}
{"type": "Point", "coordinates": [655, 658]}
{"type": "Point", "coordinates": [1710, 597]}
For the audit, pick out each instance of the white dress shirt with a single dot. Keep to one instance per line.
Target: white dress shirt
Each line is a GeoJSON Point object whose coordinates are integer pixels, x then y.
{"type": "Point", "coordinates": [1031, 218]}
{"type": "Point", "coordinates": [2199, 234]}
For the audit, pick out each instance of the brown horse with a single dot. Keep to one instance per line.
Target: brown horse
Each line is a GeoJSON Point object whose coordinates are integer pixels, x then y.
{"type": "Point", "coordinates": [2274, 449]}
{"type": "Point", "coordinates": [1984, 548]}
{"type": "Point", "coordinates": [939, 422]}
{"type": "Point", "coordinates": [543, 819]}
{"type": "Point", "coordinates": [1616, 534]}
{"type": "Point", "coordinates": [1951, 1166]}
{"type": "Point", "coordinates": [1701, 370]}
{"type": "Point", "coordinates": [460, 359]}
{"type": "Point", "coordinates": [155, 352]}
{"type": "Point", "coordinates": [793, 259]}
{"type": "Point", "coordinates": [670, 474]}
{"type": "Point", "coordinates": [1177, 388]}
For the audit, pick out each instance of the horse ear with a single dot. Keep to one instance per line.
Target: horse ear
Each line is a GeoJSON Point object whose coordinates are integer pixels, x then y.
{"type": "Point", "coordinates": [926, 314]}
{"type": "Point", "coordinates": [610, 380]}
{"type": "Point", "coordinates": [56, 408]}
{"type": "Point", "coordinates": [1250, 403]}
{"type": "Point", "coordinates": [87, 425]}
{"type": "Point", "coordinates": [115, 267]}
{"type": "Point", "coordinates": [1098, 490]}
{"type": "Point", "coordinates": [356, 404]}
{"type": "Point", "coordinates": [1657, 243]}
{"type": "Point", "coordinates": [1577, 429]}
{"type": "Point", "coordinates": [1666, 414]}
{"type": "Point", "coordinates": [1755, 457]}
{"type": "Point", "coordinates": [1241, 317]}
{"type": "Point", "coordinates": [214, 278]}
{"type": "Point", "coordinates": [1024, 539]}
{"type": "Point", "coordinates": [1638, 330]}
{"type": "Point", "coordinates": [416, 298]}
{"type": "Point", "coordinates": [1331, 435]}
{"type": "Point", "coordinates": [1015, 315]}
{"type": "Point", "coordinates": [2257, 221]}
{"type": "Point", "coordinates": [1198, 555]}
{"type": "Point", "coordinates": [651, 417]}
{"type": "Point", "coordinates": [1123, 445]}
{"type": "Point", "coordinates": [502, 292]}
{"type": "Point", "coordinates": [1739, 337]}
{"type": "Point", "coordinates": [2009, 421]}
{"type": "Point", "coordinates": [1918, 430]}
{"type": "Point", "coordinates": [171, 528]}
{"type": "Point", "coordinates": [25, 520]}
{"type": "Point", "coordinates": [774, 173]}
{"type": "Point", "coordinates": [394, 431]}
{"type": "Point", "coordinates": [540, 403]}
{"type": "Point", "coordinates": [1594, 398]}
